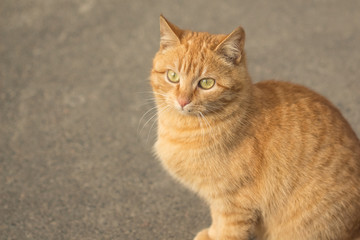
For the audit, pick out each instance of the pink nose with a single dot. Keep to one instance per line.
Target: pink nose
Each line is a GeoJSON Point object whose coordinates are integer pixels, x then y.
{"type": "Point", "coordinates": [183, 102]}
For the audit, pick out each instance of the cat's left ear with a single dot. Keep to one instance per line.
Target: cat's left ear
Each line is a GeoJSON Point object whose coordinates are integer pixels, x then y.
{"type": "Point", "coordinates": [232, 47]}
{"type": "Point", "coordinates": [169, 34]}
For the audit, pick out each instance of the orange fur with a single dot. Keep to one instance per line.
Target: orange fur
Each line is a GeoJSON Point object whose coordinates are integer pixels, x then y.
{"type": "Point", "coordinates": [271, 159]}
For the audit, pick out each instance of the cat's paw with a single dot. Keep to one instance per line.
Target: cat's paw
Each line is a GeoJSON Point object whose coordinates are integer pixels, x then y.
{"type": "Point", "coordinates": [203, 235]}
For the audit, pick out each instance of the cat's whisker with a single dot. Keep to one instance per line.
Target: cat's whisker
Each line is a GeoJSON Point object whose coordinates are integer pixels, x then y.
{"type": "Point", "coordinates": [152, 125]}
{"type": "Point", "coordinates": [147, 103]}
{"type": "Point", "coordinates": [213, 127]}
{"type": "Point", "coordinates": [153, 99]}
{"type": "Point", "coordinates": [214, 110]}
{"type": "Point", "coordinates": [164, 109]}
{"type": "Point", "coordinates": [142, 117]}
{"type": "Point", "coordinates": [150, 98]}
{"type": "Point", "coordinates": [206, 121]}
{"type": "Point", "coordinates": [161, 94]}
{"type": "Point", "coordinates": [152, 93]}
{"type": "Point", "coordinates": [147, 92]}
{"type": "Point", "coordinates": [208, 128]}
{"type": "Point", "coordinates": [201, 127]}
{"type": "Point", "coordinates": [152, 117]}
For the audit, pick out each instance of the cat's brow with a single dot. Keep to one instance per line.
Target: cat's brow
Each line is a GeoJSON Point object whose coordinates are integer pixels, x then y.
{"type": "Point", "coordinates": [192, 64]}
{"type": "Point", "coordinates": [223, 86]}
{"type": "Point", "coordinates": [160, 72]}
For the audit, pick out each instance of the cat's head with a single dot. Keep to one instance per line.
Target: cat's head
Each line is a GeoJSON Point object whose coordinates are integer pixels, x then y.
{"type": "Point", "coordinates": [199, 73]}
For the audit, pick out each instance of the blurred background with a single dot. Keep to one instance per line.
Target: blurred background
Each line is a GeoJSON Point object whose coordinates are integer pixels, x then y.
{"type": "Point", "coordinates": [75, 135]}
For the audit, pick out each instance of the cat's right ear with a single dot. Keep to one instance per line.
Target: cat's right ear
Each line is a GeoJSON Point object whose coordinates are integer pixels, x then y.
{"type": "Point", "coordinates": [169, 34]}
{"type": "Point", "coordinates": [232, 46]}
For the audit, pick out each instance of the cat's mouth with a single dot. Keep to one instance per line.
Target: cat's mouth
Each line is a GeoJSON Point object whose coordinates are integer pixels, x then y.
{"type": "Point", "coordinates": [190, 109]}
{"type": "Point", "coordinates": [186, 110]}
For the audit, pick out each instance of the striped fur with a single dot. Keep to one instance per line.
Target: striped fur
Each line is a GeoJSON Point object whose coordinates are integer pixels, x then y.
{"type": "Point", "coordinates": [273, 160]}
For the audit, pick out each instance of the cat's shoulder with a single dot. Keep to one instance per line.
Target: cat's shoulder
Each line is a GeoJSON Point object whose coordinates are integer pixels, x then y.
{"type": "Point", "coordinates": [281, 94]}
{"type": "Point", "coordinates": [287, 90]}
{"type": "Point", "coordinates": [274, 85]}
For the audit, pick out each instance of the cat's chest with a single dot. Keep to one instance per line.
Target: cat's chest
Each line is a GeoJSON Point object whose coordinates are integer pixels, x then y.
{"type": "Point", "coordinates": [177, 156]}
{"type": "Point", "coordinates": [196, 167]}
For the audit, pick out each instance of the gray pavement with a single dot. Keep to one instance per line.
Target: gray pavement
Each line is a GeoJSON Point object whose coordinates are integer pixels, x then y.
{"type": "Point", "coordinates": [75, 159]}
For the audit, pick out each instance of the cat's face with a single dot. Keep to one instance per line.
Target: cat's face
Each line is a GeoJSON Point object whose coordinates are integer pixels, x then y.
{"type": "Point", "coordinates": [194, 74]}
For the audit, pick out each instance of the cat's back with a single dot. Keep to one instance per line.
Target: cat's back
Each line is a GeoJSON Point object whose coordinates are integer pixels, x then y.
{"type": "Point", "coordinates": [305, 133]}
{"type": "Point", "coordinates": [276, 93]}
{"type": "Point", "coordinates": [292, 105]}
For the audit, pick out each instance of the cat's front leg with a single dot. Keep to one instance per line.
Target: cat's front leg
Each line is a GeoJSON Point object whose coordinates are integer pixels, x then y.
{"type": "Point", "coordinates": [228, 226]}
{"type": "Point", "coordinates": [203, 235]}
{"type": "Point", "coordinates": [232, 225]}
{"type": "Point", "coordinates": [209, 233]}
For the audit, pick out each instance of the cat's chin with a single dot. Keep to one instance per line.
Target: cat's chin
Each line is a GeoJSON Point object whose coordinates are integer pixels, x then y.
{"type": "Point", "coordinates": [186, 112]}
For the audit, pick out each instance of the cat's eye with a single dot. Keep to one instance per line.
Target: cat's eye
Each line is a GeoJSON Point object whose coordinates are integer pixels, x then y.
{"type": "Point", "coordinates": [206, 83]}
{"type": "Point", "coordinates": [172, 76]}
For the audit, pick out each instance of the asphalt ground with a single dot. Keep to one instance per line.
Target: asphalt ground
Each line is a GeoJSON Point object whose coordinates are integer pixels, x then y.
{"type": "Point", "coordinates": [75, 153]}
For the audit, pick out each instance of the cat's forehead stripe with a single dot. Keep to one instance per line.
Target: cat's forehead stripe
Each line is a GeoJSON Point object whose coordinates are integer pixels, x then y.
{"type": "Point", "coordinates": [193, 61]}
{"type": "Point", "coordinates": [191, 67]}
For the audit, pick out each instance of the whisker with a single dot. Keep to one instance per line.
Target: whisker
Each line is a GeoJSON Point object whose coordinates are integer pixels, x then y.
{"type": "Point", "coordinates": [152, 125]}
{"type": "Point", "coordinates": [142, 117]}
{"type": "Point", "coordinates": [161, 94]}
{"type": "Point", "coordinates": [213, 110]}
{"type": "Point", "coordinates": [152, 93]}
{"type": "Point", "coordinates": [152, 117]}
{"type": "Point", "coordinates": [209, 127]}
{"type": "Point", "coordinates": [201, 127]}
{"type": "Point", "coordinates": [148, 102]}
{"type": "Point", "coordinates": [142, 92]}
{"type": "Point", "coordinates": [206, 121]}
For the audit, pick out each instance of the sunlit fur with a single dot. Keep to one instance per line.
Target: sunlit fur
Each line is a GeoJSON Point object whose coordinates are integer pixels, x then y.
{"type": "Point", "coordinates": [271, 159]}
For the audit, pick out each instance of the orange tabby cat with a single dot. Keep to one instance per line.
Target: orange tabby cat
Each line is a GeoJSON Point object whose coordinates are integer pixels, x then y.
{"type": "Point", "coordinates": [273, 160]}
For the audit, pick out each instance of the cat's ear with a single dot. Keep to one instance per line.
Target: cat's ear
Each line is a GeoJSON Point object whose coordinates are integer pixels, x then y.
{"type": "Point", "coordinates": [169, 34]}
{"type": "Point", "coordinates": [232, 47]}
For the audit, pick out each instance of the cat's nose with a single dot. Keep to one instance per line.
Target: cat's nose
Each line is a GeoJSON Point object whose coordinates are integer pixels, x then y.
{"type": "Point", "coordinates": [183, 102]}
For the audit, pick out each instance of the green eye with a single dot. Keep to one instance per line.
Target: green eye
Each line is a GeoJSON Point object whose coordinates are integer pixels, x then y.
{"type": "Point", "coordinates": [206, 83]}
{"type": "Point", "coordinates": [173, 76]}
